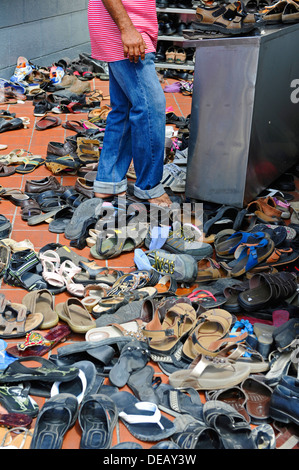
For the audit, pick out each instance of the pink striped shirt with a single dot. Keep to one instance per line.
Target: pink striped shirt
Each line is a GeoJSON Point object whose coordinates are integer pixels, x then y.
{"type": "Point", "coordinates": [105, 36]}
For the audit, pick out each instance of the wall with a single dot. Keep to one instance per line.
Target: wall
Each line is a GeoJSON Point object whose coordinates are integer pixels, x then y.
{"type": "Point", "coordinates": [43, 31]}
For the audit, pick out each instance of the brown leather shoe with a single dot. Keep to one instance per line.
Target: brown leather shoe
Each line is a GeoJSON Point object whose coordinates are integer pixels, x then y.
{"type": "Point", "coordinates": [39, 186]}
{"type": "Point", "coordinates": [83, 187]}
{"type": "Point", "coordinates": [61, 149]}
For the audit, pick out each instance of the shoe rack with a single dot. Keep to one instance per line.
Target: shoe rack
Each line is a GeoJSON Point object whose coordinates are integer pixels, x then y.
{"type": "Point", "coordinates": [183, 15]}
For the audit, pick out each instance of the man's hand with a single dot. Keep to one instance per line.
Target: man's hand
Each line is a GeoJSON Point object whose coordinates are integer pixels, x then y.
{"type": "Point", "coordinates": [134, 45]}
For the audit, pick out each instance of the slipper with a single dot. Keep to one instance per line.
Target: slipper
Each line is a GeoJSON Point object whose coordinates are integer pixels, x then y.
{"type": "Point", "coordinates": [6, 171]}
{"type": "Point", "coordinates": [14, 195]}
{"type": "Point", "coordinates": [37, 345]}
{"type": "Point", "coordinates": [15, 399]}
{"type": "Point", "coordinates": [142, 419]}
{"type": "Point", "coordinates": [97, 418]}
{"type": "Point", "coordinates": [17, 371]}
{"type": "Point", "coordinates": [56, 417]}
{"type": "Point", "coordinates": [249, 256]}
{"type": "Point", "coordinates": [233, 396]}
{"type": "Point", "coordinates": [84, 216]}
{"type": "Point", "coordinates": [235, 431]}
{"type": "Point", "coordinates": [94, 274]}
{"type": "Point", "coordinates": [40, 218]}
{"type": "Point", "coordinates": [141, 384]}
{"type": "Point", "coordinates": [42, 301]}
{"type": "Point", "coordinates": [61, 219]}
{"type": "Point", "coordinates": [76, 126]}
{"type": "Point", "coordinates": [47, 122]}
{"type": "Point", "coordinates": [133, 356]}
{"type": "Point", "coordinates": [74, 313]}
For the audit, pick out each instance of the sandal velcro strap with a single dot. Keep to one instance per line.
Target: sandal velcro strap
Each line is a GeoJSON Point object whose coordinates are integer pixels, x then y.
{"type": "Point", "coordinates": [154, 417]}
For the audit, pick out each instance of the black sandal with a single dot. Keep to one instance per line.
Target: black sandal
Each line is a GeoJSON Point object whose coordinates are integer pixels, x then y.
{"type": "Point", "coordinates": [25, 270]}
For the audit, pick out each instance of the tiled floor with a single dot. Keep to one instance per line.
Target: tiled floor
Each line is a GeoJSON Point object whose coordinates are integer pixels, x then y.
{"type": "Point", "coordinates": [36, 142]}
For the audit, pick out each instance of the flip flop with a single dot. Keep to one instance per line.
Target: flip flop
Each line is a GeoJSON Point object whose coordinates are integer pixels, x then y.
{"type": "Point", "coordinates": [17, 371]}
{"type": "Point", "coordinates": [15, 399]}
{"type": "Point", "coordinates": [142, 419]}
{"type": "Point", "coordinates": [29, 165]}
{"type": "Point", "coordinates": [74, 313]}
{"type": "Point", "coordinates": [82, 385]}
{"type": "Point", "coordinates": [37, 345]}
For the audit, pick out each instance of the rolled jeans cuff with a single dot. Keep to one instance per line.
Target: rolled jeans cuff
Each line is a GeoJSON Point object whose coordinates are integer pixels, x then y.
{"type": "Point", "coordinates": [110, 188]}
{"type": "Point", "coordinates": [152, 193]}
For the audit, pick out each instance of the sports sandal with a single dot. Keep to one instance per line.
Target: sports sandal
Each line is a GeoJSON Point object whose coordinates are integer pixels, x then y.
{"type": "Point", "coordinates": [223, 19]}
{"type": "Point", "coordinates": [88, 150]}
{"type": "Point", "coordinates": [212, 326]}
{"type": "Point", "coordinates": [16, 321]}
{"type": "Point", "coordinates": [24, 270]}
{"type": "Point", "coordinates": [29, 208]}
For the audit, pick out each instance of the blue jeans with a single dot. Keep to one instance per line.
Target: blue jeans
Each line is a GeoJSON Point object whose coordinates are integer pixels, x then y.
{"type": "Point", "coordinates": [135, 129]}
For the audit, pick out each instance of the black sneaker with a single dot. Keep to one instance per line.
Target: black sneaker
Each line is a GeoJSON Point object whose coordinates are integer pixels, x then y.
{"type": "Point", "coordinates": [42, 107]}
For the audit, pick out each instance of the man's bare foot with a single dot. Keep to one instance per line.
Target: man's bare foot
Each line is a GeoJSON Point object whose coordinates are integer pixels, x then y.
{"type": "Point", "coordinates": [163, 201]}
{"type": "Point", "coordinates": [106, 196]}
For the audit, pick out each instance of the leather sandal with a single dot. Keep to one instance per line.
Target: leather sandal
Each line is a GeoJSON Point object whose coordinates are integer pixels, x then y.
{"type": "Point", "coordinates": [178, 322]}
{"type": "Point", "coordinates": [266, 289]}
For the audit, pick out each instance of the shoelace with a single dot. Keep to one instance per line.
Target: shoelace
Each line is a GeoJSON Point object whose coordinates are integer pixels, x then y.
{"type": "Point", "coordinates": [164, 265]}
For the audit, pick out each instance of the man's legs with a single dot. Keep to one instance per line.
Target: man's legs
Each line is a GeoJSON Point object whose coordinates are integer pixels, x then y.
{"type": "Point", "coordinates": [135, 129]}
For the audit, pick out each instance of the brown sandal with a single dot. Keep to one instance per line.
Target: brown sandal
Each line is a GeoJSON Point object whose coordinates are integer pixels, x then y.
{"type": "Point", "coordinates": [15, 321]}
